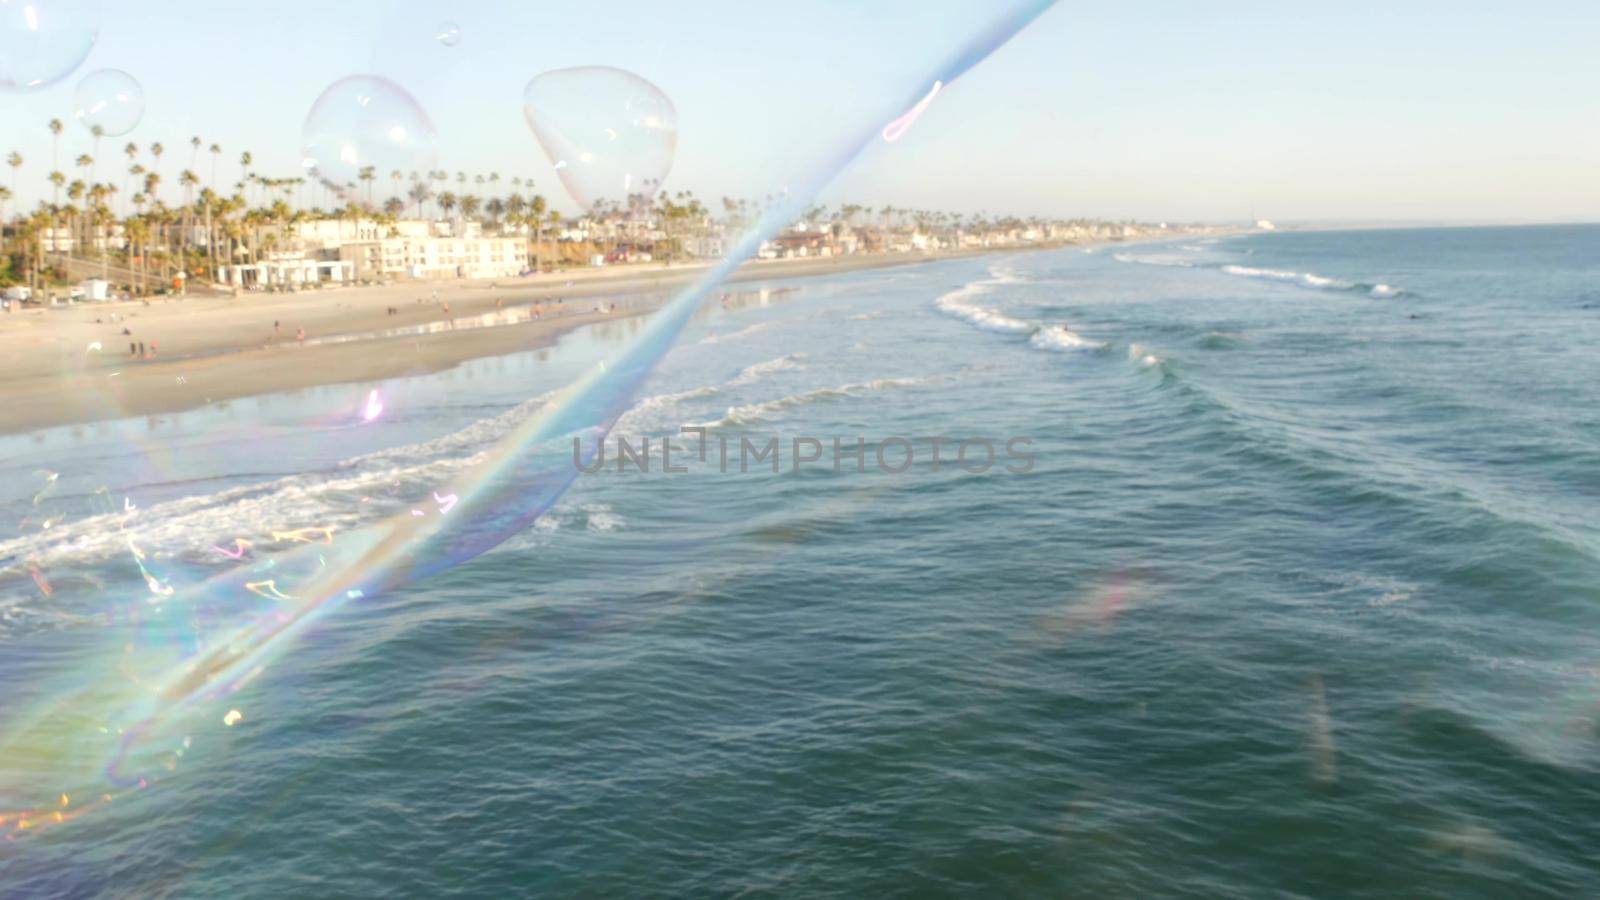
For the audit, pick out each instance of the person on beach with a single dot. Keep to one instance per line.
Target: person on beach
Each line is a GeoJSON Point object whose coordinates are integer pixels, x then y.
{"type": "Point", "coordinates": [141, 351]}
{"type": "Point", "coordinates": [300, 334]}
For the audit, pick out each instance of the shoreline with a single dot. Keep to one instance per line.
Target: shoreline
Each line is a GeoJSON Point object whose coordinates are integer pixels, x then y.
{"type": "Point", "coordinates": [63, 367]}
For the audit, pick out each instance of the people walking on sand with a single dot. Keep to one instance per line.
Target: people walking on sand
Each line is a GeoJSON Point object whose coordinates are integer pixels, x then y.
{"type": "Point", "coordinates": [300, 334]}
{"type": "Point", "coordinates": [141, 351]}
{"type": "Point", "coordinates": [133, 349]}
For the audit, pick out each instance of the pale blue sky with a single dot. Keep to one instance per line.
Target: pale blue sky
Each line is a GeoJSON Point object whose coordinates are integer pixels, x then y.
{"type": "Point", "coordinates": [1463, 111]}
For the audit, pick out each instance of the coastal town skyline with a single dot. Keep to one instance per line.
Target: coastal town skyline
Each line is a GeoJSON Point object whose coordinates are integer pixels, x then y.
{"type": "Point", "coordinates": [1140, 141]}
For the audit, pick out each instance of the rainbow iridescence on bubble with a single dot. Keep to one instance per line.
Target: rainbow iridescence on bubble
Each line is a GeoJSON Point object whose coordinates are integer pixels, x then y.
{"type": "Point", "coordinates": [175, 658]}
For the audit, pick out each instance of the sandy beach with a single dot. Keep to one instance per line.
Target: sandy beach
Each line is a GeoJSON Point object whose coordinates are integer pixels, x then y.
{"type": "Point", "coordinates": [72, 364]}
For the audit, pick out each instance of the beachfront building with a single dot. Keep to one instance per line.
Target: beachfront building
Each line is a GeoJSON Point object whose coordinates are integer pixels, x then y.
{"type": "Point", "coordinates": [333, 233]}
{"type": "Point", "coordinates": [287, 271]}
{"type": "Point", "coordinates": [399, 258]}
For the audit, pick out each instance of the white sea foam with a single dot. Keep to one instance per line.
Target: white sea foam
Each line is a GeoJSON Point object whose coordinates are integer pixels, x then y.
{"type": "Point", "coordinates": [1056, 338]}
{"type": "Point", "coordinates": [756, 412]}
{"type": "Point", "coordinates": [1165, 262]}
{"type": "Point", "coordinates": [1313, 280]}
{"type": "Point", "coordinates": [736, 335]}
{"type": "Point", "coordinates": [763, 369]}
{"type": "Point", "coordinates": [1142, 355]}
{"type": "Point", "coordinates": [1060, 339]}
{"type": "Point", "coordinates": [354, 492]}
{"type": "Point", "coordinates": [958, 303]}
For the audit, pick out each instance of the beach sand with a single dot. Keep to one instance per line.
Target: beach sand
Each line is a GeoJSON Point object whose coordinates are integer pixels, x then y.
{"type": "Point", "coordinates": [69, 365]}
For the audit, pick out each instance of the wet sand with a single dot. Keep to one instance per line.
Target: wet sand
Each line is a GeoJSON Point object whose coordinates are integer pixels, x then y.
{"type": "Point", "coordinates": [69, 365]}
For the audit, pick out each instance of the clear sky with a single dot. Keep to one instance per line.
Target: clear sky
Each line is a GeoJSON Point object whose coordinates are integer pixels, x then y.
{"type": "Point", "coordinates": [1163, 109]}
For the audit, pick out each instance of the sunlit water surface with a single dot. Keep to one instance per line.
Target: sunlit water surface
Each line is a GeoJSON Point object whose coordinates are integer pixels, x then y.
{"type": "Point", "coordinates": [1302, 595]}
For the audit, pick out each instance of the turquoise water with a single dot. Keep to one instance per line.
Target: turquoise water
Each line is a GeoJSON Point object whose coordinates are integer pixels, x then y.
{"type": "Point", "coordinates": [1300, 596]}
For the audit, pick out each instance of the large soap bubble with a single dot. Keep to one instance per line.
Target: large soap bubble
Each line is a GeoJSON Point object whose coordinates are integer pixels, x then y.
{"type": "Point", "coordinates": [110, 100]}
{"type": "Point", "coordinates": [361, 129]}
{"type": "Point", "coordinates": [447, 33]}
{"type": "Point", "coordinates": [44, 41]}
{"type": "Point", "coordinates": [610, 134]}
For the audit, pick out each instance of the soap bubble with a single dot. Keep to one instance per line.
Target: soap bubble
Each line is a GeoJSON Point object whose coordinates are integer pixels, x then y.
{"type": "Point", "coordinates": [110, 99]}
{"type": "Point", "coordinates": [44, 41]}
{"type": "Point", "coordinates": [447, 33]}
{"type": "Point", "coordinates": [610, 134]}
{"type": "Point", "coordinates": [363, 123]}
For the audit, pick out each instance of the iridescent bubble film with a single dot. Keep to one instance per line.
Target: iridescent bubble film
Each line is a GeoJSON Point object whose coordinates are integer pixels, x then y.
{"type": "Point", "coordinates": [447, 33]}
{"type": "Point", "coordinates": [44, 41]}
{"type": "Point", "coordinates": [362, 128]}
{"type": "Point", "coordinates": [110, 100]}
{"type": "Point", "coordinates": [181, 645]}
{"type": "Point", "coordinates": [610, 134]}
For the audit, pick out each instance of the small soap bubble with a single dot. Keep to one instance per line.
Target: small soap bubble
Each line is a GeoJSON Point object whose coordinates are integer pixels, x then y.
{"type": "Point", "coordinates": [362, 128]}
{"type": "Point", "coordinates": [44, 41]}
{"type": "Point", "coordinates": [610, 134]}
{"type": "Point", "coordinates": [110, 100]}
{"type": "Point", "coordinates": [447, 33]}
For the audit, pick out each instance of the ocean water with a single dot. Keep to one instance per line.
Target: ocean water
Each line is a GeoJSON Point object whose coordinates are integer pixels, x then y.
{"type": "Point", "coordinates": [1300, 596]}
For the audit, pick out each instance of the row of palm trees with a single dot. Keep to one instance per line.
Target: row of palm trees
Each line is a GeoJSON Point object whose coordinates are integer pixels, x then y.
{"type": "Point", "coordinates": [133, 228]}
{"type": "Point", "coordinates": [210, 225]}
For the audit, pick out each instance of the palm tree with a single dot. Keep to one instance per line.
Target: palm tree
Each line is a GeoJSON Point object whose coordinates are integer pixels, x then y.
{"type": "Point", "coordinates": [15, 162]}
{"type": "Point", "coordinates": [156, 150]}
{"type": "Point", "coordinates": [98, 132]}
{"type": "Point", "coordinates": [536, 211]}
{"type": "Point", "coordinates": [396, 176]}
{"type": "Point", "coordinates": [245, 159]}
{"type": "Point", "coordinates": [55, 143]}
{"type": "Point", "coordinates": [447, 202]}
{"type": "Point", "coordinates": [216, 154]}
{"type": "Point", "coordinates": [368, 174]}
{"type": "Point", "coordinates": [194, 150]}
{"type": "Point", "coordinates": [56, 181]}
{"type": "Point", "coordinates": [469, 206]}
{"type": "Point", "coordinates": [75, 192]}
{"type": "Point", "coordinates": [419, 195]}
{"type": "Point", "coordinates": [138, 234]}
{"type": "Point", "coordinates": [189, 181]}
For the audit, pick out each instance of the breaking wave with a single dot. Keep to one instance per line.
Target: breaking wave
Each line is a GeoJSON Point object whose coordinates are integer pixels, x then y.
{"type": "Point", "coordinates": [1315, 281]}
{"type": "Point", "coordinates": [1379, 291]}
{"type": "Point", "coordinates": [959, 304]}
{"type": "Point", "coordinates": [345, 495]}
{"type": "Point", "coordinates": [1060, 339]}
{"type": "Point", "coordinates": [756, 412]}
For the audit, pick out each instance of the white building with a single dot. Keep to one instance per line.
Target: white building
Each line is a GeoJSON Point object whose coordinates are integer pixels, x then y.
{"type": "Point", "coordinates": [288, 272]}
{"type": "Point", "coordinates": [333, 233]}
{"type": "Point", "coordinates": [436, 257]}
